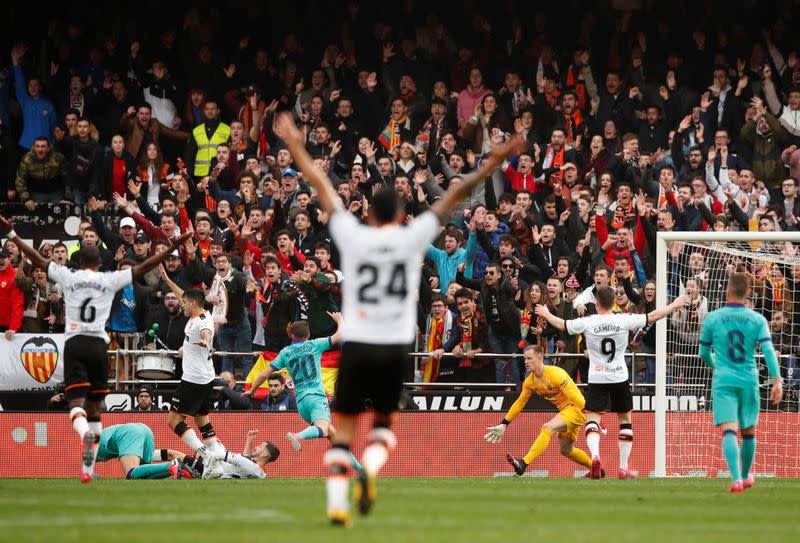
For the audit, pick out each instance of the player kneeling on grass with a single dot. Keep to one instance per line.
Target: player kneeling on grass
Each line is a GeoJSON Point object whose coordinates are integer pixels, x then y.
{"type": "Point", "coordinates": [733, 332]}
{"type": "Point", "coordinates": [554, 385]}
{"type": "Point", "coordinates": [133, 445]}
{"type": "Point", "coordinates": [303, 359]}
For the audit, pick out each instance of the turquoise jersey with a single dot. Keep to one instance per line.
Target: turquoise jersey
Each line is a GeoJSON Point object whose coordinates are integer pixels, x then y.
{"type": "Point", "coordinates": [132, 439]}
{"type": "Point", "coordinates": [733, 332]}
{"type": "Point", "coordinates": [303, 361]}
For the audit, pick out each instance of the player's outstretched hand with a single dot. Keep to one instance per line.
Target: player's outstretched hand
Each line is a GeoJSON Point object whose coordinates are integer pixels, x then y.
{"type": "Point", "coordinates": [336, 316]}
{"type": "Point", "coordinates": [495, 433]}
{"type": "Point", "coordinates": [287, 130]}
{"type": "Point", "coordinates": [5, 225]}
{"type": "Point", "coordinates": [776, 392]}
{"type": "Point", "coordinates": [542, 311]}
{"type": "Point", "coordinates": [682, 301]}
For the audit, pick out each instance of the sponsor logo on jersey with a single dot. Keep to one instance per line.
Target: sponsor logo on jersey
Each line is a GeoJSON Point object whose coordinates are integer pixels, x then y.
{"type": "Point", "coordinates": [39, 356]}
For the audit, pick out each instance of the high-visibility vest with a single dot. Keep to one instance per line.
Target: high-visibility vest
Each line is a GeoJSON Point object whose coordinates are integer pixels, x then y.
{"type": "Point", "coordinates": [207, 149]}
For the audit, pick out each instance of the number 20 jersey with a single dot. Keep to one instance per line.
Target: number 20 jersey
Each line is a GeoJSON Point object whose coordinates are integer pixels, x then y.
{"type": "Point", "coordinates": [607, 340]}
{"type": "Point", "coordinates": [88, 296]}
{"type": "Point", "coordinates": [382, 268]}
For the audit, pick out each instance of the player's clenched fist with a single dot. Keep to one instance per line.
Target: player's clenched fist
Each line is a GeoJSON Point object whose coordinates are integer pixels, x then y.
{"type": "Point", "coordinates": [495, 433]}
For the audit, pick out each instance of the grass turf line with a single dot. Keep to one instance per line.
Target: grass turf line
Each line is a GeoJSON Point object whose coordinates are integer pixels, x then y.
{"type": "Point", "coordinates": [431, 510]}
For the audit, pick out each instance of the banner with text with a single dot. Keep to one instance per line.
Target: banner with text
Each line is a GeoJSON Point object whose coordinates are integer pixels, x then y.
{"type": "Point", "coordinates": [32, 361]}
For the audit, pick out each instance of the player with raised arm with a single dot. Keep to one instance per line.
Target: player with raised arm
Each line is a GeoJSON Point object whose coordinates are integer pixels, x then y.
{"type": "Point", "coordinates": [303, 360]}
{"type": "Point", "coordinates": [733, 332]}
{"type": "Point", "coordinates": [382, 262]}
{"type": "Point", "coordinates": [88, 296]}
{"type": "Point", "coordinates": [606, 341]}
{"type": "Point", "coordinates": [554, 385]}
{"type": "Point", "coordinates": [193, 397]}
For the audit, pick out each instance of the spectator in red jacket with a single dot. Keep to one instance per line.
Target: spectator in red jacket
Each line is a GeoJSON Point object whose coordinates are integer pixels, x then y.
{"type": "Point", "coordinates": [290, 258]}
{"type": "Point", "coordinates": [11, 298]}
{"type": "Point", "coordinates": [622, 246]}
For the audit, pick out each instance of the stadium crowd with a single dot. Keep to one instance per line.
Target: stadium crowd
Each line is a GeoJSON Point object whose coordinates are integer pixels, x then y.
{"type": "Point", "coordinates": [633, 126]}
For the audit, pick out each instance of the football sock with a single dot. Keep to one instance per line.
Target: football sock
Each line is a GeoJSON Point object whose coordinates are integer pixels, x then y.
{"type": "Point", "coordinates": [79, 423]}
{"type": "Point", "coordinates": [593, 439]}
{"type": "Point", "coordinates": [215, 446]}
{"type": "Point", "coordinates": [191, 439]}
{"type": "Point", "coordinates": [730, 446]}
{"type": "Point", "coordinates": [337, 460]}
{"type": "Point", "coordinates": [150, 471]}
{"type": "Point", "coordinates": [538, 446]}
{"type": "Point", "coordinates": [625, 444]}
{"type": "Point", "coordinates": [381, 440]}
{"type": "Point", "coordinates": [312, 432]}
{"type": "Point", "coordinates": [748, 452]}
{"type": "Point", "coordinates": [580, 457]}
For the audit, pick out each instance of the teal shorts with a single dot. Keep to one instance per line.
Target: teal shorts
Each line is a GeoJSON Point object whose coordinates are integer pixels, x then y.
{"type": "Point", "coordinates": [134, 439]}
{"type": "Point", "coordinates": [736, 404]}
{"type": "Point", "coordinates": [314, 407]}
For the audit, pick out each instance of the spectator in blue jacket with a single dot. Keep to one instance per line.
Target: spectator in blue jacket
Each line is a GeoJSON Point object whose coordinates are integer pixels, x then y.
{"type": "Point", "coordinates": [447, 260]}
{"type": "Point", "coordinates": [38, 113]}
{"type": "Point", "coordinates": [279, 399]}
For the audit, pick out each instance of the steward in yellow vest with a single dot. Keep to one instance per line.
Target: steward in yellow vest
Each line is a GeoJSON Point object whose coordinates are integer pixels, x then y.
{"type": "Point", "coordinates": [202, 146]}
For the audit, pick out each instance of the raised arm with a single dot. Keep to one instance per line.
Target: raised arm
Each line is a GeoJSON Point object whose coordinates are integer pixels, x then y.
{"type": "Point", "coordinates": [445, 205]}
{"type": "Point", "coordinates": [7, 229]}
{"type": "Point", "coordinates": [658, 314]}
{"type": "Point", "coordinates": [155, 260]}
{"type": "Point", "coordinates": [555, 321]}
{"type": "Point", "coordinates": [337, 318]}
{"type": "Point", "coordinates": [178, 291]}
{"type": "Point", "coordinates": [288, 132]}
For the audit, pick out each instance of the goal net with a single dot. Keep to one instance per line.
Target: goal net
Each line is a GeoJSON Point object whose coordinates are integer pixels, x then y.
{"type": "Point", "coordinates": [698, 265]}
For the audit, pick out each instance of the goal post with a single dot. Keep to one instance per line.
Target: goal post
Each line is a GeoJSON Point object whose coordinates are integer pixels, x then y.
{"type": "Point", "coordinates": [686, 442]}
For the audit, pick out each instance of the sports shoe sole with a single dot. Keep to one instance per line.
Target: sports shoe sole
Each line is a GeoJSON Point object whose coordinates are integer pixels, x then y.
{"type": "Point", "coordinates": [88, 444]}
{"type": "Point", "coordinates": [516, 464]}
{"type": "Point", "coordinates": [364, 493]}
{"type": "Point", "coordinates": [296, 444]}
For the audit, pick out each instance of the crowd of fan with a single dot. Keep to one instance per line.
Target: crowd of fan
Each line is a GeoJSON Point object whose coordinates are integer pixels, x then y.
{"type": "Point", "coordinates": [656, 131]}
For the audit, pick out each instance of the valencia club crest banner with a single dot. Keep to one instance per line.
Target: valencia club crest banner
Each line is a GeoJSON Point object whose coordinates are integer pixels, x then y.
{"type": "Point", "coordinates": [31, 361]}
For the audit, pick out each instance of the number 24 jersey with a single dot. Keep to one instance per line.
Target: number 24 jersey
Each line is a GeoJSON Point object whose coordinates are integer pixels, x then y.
{"type": "Point", "coordinates": [607, 340]}
{"type": "Point", "coordinates": [382, 268]}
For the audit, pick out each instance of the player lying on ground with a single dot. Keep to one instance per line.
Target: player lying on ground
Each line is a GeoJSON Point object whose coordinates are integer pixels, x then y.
{"type": "Point", "coordinates": [88, 296]}
{"type": "Point", "coordinates": [133, 444]}
{"type": "Point", "coordinates": [250, 464]}
{"type": "Point", "coordinates": [733, 332]}
{"type": "Point", "coordinates": [554, 385]}
{"type": "Point", "coordinates": [193, 397]}
{"type": "Point", "coordinates": [606, 341]}
{"type": "Point", "coordinates": [382, 262]}
{"type": "Point", "coordinates": [303, 360]}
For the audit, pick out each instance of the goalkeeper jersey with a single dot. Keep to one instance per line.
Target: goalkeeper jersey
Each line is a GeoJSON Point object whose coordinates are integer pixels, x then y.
{"type": "Point", "coordinates": [555, 386]}
{"type": "Point", "coordinates": [732, 332]}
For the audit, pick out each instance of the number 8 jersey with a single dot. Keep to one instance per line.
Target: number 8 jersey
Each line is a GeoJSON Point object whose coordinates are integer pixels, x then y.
{"type": "Point", "coordinates": [382, 268]}
{"type": "Point", "coordinates": [607, 340]}
{"type": "Point", "coordinates": [88, 296]}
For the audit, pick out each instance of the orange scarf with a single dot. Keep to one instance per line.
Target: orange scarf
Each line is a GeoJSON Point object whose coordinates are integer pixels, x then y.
{"type": "Point", "coordinates": [620, 215]}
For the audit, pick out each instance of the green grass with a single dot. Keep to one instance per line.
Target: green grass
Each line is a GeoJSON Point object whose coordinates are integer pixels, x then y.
{"type": "Point", "coordinates": [430, 510]}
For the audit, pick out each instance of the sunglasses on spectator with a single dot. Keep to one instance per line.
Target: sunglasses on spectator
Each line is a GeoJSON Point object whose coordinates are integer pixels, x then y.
{"type": "Point", "coordinates": [507, 266]}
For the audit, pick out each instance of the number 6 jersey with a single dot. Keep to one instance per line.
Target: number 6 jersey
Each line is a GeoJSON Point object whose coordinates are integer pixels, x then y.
{"type": "Point", "coordinates": [382, 268]}
{"type": "Point", "coordinates": [88, 296]}
{"type": "Point", "coordinates": [607, 340]}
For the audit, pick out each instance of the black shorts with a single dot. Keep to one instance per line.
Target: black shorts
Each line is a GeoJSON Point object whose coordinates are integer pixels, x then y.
{"type": "Point", "coordinates": [86, 368]}
{"type": "Point", "coordinates": [599, 395]}
{"type": "Point", "coordinates": [370, 372]}
{"type": "Point", "coordinates": [191, 399]}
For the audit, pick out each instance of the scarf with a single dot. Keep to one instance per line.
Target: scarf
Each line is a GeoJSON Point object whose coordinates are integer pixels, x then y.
{"type": "Point", "coordinates": [219, 292]}
{"type": "Point", "coordinates": [429, 132]}
{"type": "Point", "coordinates": [663, 203]}
{"type": "Point", "coordinates": [430, 367]}
{"type": "Point", "coordinates": [576, 81]}
{"type": "Point", "coordinates": [621, 213]}
{"type": "Point", "coordinates": [571, 124]}
{"type": "Point", "coordinates": [37, 307]}
{"type": "Point", "coordinates": [552, 98]}
{"type": "Point", "coordinates": [554, 159]}
{"type": "Point", "coordinates": [466, 341]}
{"type": "Point", "coordinates": [525, 326]}
{"type": "Point", "coordinates": [390, 136]}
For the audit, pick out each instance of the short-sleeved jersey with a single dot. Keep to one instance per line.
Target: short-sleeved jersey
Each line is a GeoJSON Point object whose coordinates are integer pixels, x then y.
{"type": "Point", "coordinates": [556, 387]}
{"type": "Point", "coordinates": [88, 297]}
{"type": "Point", "coordinates": [382, 269]}
{"type": "Point", "coordinates": [303, 360]}
{"type": "Point", "coordinates": [607, 340]}
{"type": "Point", "coordinates": [733, 332]}
{"type": "Point", "coordinates": [198, 368]}
{"type": "Point", "coordinates": [133, 438]}
{"type": "Point", "coordinates": [241, 467]}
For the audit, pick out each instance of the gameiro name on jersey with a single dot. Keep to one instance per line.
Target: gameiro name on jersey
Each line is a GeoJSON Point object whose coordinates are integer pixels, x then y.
{"type": "Point", "coordinates": [198, 368]}
{"type": "Point", "coordinates": [88, 296]}
{"type": "Point", "coordinates": [383, 267]}
{"type": "Point", "coordinates": [607, 340]}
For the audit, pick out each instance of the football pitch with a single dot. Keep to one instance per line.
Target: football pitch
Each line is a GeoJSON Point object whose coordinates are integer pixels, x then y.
{"type": "Point", "coordinates": [430, 510]}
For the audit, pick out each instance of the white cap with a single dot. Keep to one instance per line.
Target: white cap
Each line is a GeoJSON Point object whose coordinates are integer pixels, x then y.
{"type": "Point", "coordinates": [175, 254]}
{"type": "Point", "coordinates": [127, 221]}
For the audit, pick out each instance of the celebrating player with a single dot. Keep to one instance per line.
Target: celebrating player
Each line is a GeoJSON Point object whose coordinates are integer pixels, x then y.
{"type": "Point", "coordinates": [733, 332]}
{"type": "Point", "coordinates": [303, 359]}
{"type": "Point", "coordinates": [607, 340]}
{"type": "Point", "coordinates": [382, 263]}
{"type": "Point", "coordinates": [132, 444]}
{"type": "Point", "coordinates": [193, 397]}
{"type": "Point", "coordinates": [88, 296]}
{"type": "Point", "coordinates": [554, 385]}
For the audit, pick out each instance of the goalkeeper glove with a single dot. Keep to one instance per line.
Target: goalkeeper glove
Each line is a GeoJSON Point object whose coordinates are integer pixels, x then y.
{"type": "Point", "coordinates": [495, 433]}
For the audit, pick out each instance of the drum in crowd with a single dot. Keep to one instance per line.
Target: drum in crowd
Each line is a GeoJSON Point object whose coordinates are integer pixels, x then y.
{"type": "Point", "coordinates": [155, 366]}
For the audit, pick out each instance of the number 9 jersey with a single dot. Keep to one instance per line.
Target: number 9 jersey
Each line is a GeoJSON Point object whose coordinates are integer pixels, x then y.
{"type": "Point", "coordinates": [382, 268]}
{"type": "Point", "coordinates": [88, 297]}
{"type": "Point", "coordinates": [607, 340]}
